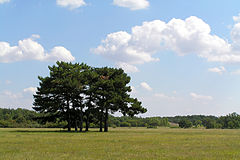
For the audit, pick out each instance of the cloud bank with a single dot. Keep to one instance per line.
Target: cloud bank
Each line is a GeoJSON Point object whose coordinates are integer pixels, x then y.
{"type": "Point", "coordinates": [29, 49]}
{"type": "Point", "coordinates": [189, 36]}
{"type": "Point", "coordinates": [132, 4]}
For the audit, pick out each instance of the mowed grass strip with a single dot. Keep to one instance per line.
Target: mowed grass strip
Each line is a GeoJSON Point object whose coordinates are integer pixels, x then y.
{"type": "Point", "coordinates": [119, 143]}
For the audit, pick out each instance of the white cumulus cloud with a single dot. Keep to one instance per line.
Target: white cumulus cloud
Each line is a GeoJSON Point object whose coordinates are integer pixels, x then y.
{"type": "Point", "coordinates": [132, 4]}
{"type": "Point", "coordinates": [127, 67]}
{"type": "Point", "coordinates": [4, 1]}
{"type": "Point", "coordinates": [189, 36]}
{"type": "Point", "coordinates": [164, 96]}
{"type": "Point", "coordinates": [71, 4]}
{"type": "Point", "coordinates": [146, 86]}
{"type": "Point", "coordinates": [31, 90]}
{"type": "Point", "coordinates": [219, 70]}
{"type": "Point", "coordinates": [196, 96]}
{"type": "Point", "coordinates": [29, 49]}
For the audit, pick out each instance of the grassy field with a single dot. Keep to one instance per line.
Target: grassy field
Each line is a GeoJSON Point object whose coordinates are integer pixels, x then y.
{"type": "Point", "coordinates": [119, 143]}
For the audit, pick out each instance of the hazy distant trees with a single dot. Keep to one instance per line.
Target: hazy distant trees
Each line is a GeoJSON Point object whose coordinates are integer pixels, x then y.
{"type": "Point", "coordinates": [150, 122]}
{"type": "Point", "coordinates": [23, 118]}
{"type": "Point", "coordinates": [77, 93]}
{"type": "Point", "coordinates": [230, 121]}
{"type": "Point", "coordinates": [18, 118]}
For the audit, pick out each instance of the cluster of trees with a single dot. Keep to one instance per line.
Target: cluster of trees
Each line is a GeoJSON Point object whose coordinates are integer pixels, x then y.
{"type": "Point", "coordinates": [24, 118]}
{"type": "Point", "coordinates": [230, 121]}
{"type": "Point", "coordinates": [18, 118]}
{"type": "Point", "coordinates": [194, 119]}
{"type": "Point", "coordinates": [185, 123]}
{"type": "Point", "coordinates": [80, 94]}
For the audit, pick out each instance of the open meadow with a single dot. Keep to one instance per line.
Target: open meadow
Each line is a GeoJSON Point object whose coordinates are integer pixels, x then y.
{"type": "Point", "coordinates": [120, 143]}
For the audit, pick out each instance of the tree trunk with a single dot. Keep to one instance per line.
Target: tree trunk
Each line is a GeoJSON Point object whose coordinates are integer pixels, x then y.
{"type": "Point", "coordinates": [101, 120]}
{"type": "Point", "coordinates": [87, 121]}
{"type": "Point", "coordinates": [69, 117]}
{"type": "Point", "coordinates": [81, 120]}
{"type": "Point", "coordinates": [75, 119]}
{"type": "Point", "coordinates": [106, 120]}
{"type": "Point", "coordinates": [76, 129]}
{"type": "Point", "coordinates": [69, 125]}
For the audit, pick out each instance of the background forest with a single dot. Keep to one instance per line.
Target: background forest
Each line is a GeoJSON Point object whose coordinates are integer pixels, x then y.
{"type": "Point", "coordinates": [23, 118]}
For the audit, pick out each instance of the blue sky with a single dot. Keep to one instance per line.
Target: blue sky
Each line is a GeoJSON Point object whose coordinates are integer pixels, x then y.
{"type": "Point", "coordinates": [183, 57]}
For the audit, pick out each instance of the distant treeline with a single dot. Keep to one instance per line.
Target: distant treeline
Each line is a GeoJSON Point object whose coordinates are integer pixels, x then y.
{"type": "Point", "coordinates": [23, 118]}
{"type": "Point", "coordinates": [18, 118]}
{"type": "Point", "coordinates": [150, 122]}
{"type": "Point", "coordinates": [230, 121]}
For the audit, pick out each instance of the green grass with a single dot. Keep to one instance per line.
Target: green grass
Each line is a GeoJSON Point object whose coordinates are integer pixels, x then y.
{"type": "Point", "coordinates": [120, 143]}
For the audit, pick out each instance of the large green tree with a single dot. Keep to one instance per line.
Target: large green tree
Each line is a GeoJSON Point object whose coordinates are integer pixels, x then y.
{"type": "Point", "coordinates": [113, 95]}
{"type": "Point", "coordinates": [59, 95]}
{"type": "Point", "coordinates": [77, 92]}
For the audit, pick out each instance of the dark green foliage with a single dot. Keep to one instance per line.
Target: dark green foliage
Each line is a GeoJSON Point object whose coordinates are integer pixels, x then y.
{"type": "Point", "coordinates": [231, 121]}
{"type": "Point", "coordinates": [197, 123]}
{"type": "Point", "coordinates": [195, 119]}
{"type": "Point", "coordinates": [185, 123]}
{"type": "Point", "coordinates": [76, 93]}
{"type": "Point", "coordinates": [125, 124]}
{"type": "Point", "coordinates": [23, 118]}
{"type": "Point", "coordinates": [209, 123]}
{"type": "Point", "coordinates": [12, 118]}
{"type": "Point", "coordinates": [138, 122]}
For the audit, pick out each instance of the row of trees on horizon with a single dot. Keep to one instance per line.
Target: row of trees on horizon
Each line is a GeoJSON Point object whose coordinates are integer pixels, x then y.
{"type": "Point", "coordinates": [230, 121]}
{"type": "Point", "coordinates": [23, 118]}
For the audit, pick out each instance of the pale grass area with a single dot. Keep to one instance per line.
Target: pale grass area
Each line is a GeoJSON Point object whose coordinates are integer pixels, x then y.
{"type": "Point", "coordinates": [119, 143]}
